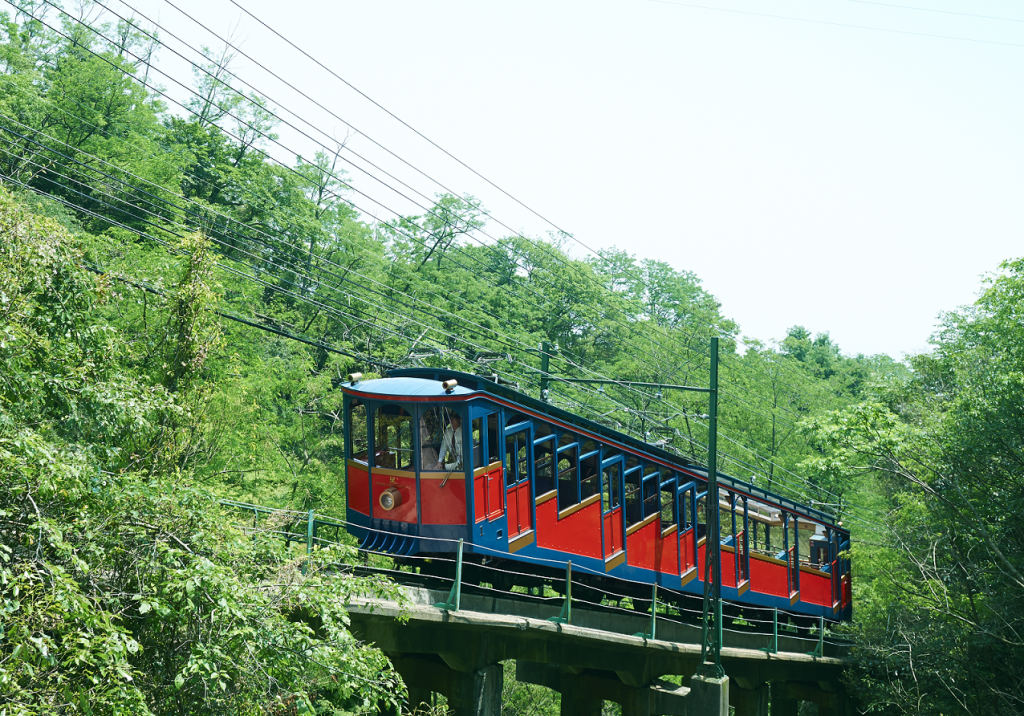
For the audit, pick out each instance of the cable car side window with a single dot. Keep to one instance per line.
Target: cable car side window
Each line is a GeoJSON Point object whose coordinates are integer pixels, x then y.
{"type": "Point", "coordinates": [358, 433]}
{"type": "Point", "coordinates": [568, 463]}
{"type": "Point", "coordinates": [668, 498]}
{"type": "Point", "coordinates": [477, 436]}
{"type": "Point", "coordinates": [634, 495]}
{"type": "Point", "coordinates": [392, 442]}
{"type": "Point", "coordinates": [610, 486]}
{"type": "Point", "coordinates": [544, 458]}
{"type": "Point", "coordinates": [589, 479]}
{"type": "Point", "coordinates": [650, 491]}
{"type": "Point", "coordinates": [493, 442]}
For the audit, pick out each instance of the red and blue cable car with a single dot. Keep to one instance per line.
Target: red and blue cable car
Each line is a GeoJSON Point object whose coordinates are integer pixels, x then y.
{"type": "Point", "coordinates": [434, 456]}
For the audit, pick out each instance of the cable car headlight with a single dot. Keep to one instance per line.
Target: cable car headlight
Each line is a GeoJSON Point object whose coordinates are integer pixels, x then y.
{"type": "Point", "coordinates": [390, 499]}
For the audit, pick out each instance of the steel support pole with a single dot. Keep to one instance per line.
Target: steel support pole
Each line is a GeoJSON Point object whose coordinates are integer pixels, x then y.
{"type": "Point", "coordinates": [454, 596]}
{"type": "Point", "coordinates": [711, 637]}
{"type": "Point", "coordinates": [545, 374]}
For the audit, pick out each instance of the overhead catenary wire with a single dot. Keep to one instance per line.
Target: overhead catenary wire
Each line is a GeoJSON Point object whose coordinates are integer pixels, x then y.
{"type": "Point", "coordinates": [98, 34]}
{"type": "Point", "coordinates": [265, 135]}
{"type": "Point", "coordinates": [294, 295]}
{"type": "Point", "coordinates": [155, 215]}
{"type": "Point", "coordinates": [163, 94]}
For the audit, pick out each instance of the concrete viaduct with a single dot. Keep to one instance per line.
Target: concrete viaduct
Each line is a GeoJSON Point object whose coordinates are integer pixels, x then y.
{"type": "Point", "coordinates": [596, 658]}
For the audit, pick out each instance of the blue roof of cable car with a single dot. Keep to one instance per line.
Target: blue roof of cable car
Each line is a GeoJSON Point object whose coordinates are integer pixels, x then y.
{"type": "Point", "coordinates": [407, 387]}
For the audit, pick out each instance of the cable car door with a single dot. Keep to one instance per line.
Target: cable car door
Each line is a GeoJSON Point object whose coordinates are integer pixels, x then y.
{"type": "Point", "coordinates": [518, 468]}
{"type": "Point", "coordinates": [488, 517]}
{"type": "Point", "coordinates": [611, 507]}
{"type": "Point", "coordinates": [686, 512]}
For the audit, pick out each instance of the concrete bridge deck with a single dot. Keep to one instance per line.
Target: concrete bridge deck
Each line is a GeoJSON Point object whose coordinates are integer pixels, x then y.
{"type": "Point", "coordinates": [595, 658]}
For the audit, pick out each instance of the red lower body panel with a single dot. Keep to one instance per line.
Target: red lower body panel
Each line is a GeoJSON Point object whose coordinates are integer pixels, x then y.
{"type": "Point", "coordinates": [578, 533]}
{"type": "Point", "coordinates": [443, 505]}
{"type": "Point", "coordinates": [405, 511]}
{"type": "Point", "coordinates": [769, 578]}
{"type": "Point", "coordinates": [518, 502]}
{"type": "Point", "coordinates": [358, 488]}
{"type": "Point", "coordinates": [613, 532]}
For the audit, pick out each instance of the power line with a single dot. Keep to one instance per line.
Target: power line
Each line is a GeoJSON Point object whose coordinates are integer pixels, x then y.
{"type": "Point", "coordinates": [99, 34]}
{"type": "Point", "coordinates": [830, 23]}
{"type": "Point", "coordinates": [936, 10]}
{"type": "Point", "coordinates": [407, 337]}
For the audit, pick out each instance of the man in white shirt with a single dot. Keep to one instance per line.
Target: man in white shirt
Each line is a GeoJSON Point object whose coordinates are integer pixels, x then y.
{"type": "Point", "coordinates": [450, 454]}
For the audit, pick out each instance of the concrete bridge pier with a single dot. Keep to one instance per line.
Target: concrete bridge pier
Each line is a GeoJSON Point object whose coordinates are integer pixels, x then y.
{"type": "Point", "coordinates": [787, 695]}
{"type": "Point", "coordinates": [583, 691]}
{"type": "Point", "coordinates": [749, 698]}
{"type": "Point", "coordinates": [470, 692]}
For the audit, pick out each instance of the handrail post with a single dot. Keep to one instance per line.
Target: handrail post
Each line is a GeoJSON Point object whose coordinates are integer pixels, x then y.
{"type": "Point", "coordinates": [775, 630]}
{"type": "Point", "coordinates": [565, 616]}
{"type": "Point", "coordinates": [650, 634]}
{"type": "Point", "coordinates": [774, 648]}
{"type": "Point", "coordinates": [819, 651]}
{"type": "Point", "coordinates": [654, 608]}
{"type": "Point", "coordinates": [455, 596]}
{"type": "Point", "coordinates": [310, 533]}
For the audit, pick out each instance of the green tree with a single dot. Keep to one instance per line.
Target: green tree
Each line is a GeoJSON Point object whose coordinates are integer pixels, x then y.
{"type": "Point", "coordinates": [941, 607]}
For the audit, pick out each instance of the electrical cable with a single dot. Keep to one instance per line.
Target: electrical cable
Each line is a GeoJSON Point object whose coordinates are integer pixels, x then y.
{"type": "Point", "coordinates": [155, 89]}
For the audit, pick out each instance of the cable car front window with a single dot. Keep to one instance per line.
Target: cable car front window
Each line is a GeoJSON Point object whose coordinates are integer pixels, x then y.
{"type": "Point", "coordinates": [393, 438]}
{"type": "Point", "coordinates": [440, 439]}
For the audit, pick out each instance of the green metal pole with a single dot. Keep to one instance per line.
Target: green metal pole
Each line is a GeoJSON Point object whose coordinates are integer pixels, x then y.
{"type": "Point", "coordinates": [654, 608]}
{"type": "Point", "coordinates": [568, 592]}
{"type": "Point", "coordinates": [455, 595]}
{"type": "Point", "coordinates": [711, 642]}
{"type": "Point", "coordinates": [565, 616]}
{"type": "Point", "coordinates": [545, 375]}
{"type": "Point", "coordinates": [458, 577]}
{"type": "Point", "coordinates": [310, 524]}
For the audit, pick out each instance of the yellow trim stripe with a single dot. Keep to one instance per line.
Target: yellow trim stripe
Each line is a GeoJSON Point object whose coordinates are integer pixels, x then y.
{"type": "Point", "coordinates": [669, 530]}
{"type": "Point", "coordinates": [614, 561]}
{"type": "Point", "coordinates": [541, 499]}
{"type": "Point", "coordinates": [689, 576]}
{"type": "Point", "coordinates": [640, 525]}
{"type": "Point", "coordinates": [393, 473]}
{"type": "Point", "coordinates": [794, 598]}
{"type": "Point", "coordinates": [523, 540]}
{"type": "Point", "coordinates": [487, 468]}
{"type": "Point", "coordinates": [812, 570]}
{"type": "Point", "coordinates": [576, 508]}
{"type": "Point", "coordinates": [442, 475]}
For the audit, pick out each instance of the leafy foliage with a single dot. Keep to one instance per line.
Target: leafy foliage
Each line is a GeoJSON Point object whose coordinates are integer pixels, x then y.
{"type": "Point", "coordinates": [125, 591]}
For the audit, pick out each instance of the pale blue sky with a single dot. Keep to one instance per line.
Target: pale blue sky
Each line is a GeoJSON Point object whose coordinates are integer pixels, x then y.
{"type": "Point", "coordinates": [851, 180]}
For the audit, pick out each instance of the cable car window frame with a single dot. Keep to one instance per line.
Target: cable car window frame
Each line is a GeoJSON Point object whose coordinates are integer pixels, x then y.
{"type": "Point", "coordinates": [667, 486]}
{"type": "Point", "coordinates": [593, 482]}
{"type": "Point", "coordinates": [611, 498]}
{"type": "Point", "coordinates": [395, 429]}
{"type": "Point", "coordinates": [638, 468]}
{"type": "Point", "coordinates": [553, 465]}
{"type": "Point", "coordinates": [350, 444]}
{"type": "Point", "coordinates": [572, 481]}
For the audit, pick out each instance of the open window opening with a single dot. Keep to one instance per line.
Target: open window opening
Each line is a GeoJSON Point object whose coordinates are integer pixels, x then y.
{"type": "Point", "coordinates": [393, 438]}
{"type": "Point", "coordinates": [441, 439]}
{"type": "Point", "coordinates": [358, 432]}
